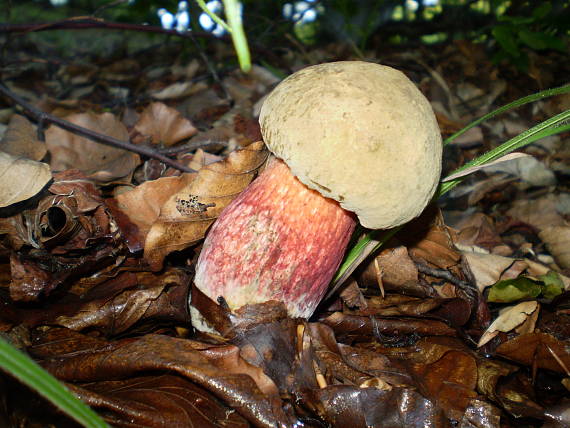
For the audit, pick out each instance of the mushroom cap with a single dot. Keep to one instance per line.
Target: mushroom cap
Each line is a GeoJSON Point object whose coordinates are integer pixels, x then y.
{"type": "Point", "coordinates": [360, 133]}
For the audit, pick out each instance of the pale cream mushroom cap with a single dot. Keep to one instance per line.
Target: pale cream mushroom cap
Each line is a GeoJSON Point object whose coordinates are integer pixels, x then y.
{"type": "Point", "coordinates": [360, 133]}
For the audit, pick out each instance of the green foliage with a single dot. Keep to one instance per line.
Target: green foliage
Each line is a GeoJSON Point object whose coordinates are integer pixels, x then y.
{"type": "Point", "coordinates": [512, 290]}
{"type": "Point", "coordinates": [538, 31]}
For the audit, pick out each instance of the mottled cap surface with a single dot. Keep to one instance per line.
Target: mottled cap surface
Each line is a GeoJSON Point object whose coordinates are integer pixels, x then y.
{"type": "Point", "coordinates": [360, 133]}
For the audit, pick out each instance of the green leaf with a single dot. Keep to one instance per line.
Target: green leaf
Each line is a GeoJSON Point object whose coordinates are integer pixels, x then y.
{"type": "Point", "coordinates": [538, 40]}
{"type": "Point", "coordinates": [553, 285]}
{"type": "Point", "coordinates": [27, 371]}
{"type": "Point", "coordinates": [541, 11]}
{"type": "Point", "coordinates": [511, 290]}
{"type": "Point", "coordinates": [504, 35]}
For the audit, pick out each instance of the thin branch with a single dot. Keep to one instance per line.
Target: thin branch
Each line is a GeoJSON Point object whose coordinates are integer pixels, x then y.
{"type": "Point", "coordinates": [44, 118]}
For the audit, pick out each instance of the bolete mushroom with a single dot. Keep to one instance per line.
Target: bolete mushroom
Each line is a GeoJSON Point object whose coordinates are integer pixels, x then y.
{"type": "Point", "coordinates": [350, 139]}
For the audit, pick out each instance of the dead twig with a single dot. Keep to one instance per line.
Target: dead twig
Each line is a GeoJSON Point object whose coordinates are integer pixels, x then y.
{"type": "Point", "coordinates": [44, 118]}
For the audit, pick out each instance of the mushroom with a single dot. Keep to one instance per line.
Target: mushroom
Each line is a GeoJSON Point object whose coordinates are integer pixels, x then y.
{"type": "Point", "coordinates": [351, 140]}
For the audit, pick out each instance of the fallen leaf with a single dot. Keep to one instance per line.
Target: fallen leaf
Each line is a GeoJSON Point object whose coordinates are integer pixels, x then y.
{"type": "Point", "coordinates": [540, 349]}
{"type": "Point", "coordinates": [159, 124]}
{"type": "Point", "coordinates": [141, 205]}
{"type": "Point", "coordinates": [508, 320]}
{"type": "Point", "coordinates": [100, 162]}
{"type": "Point", "coordinates": [21, 179]}
{"type": "Point", "coordinates": [219, 369]}
{"type": "Point", "coordinates": [557, 240]}
{"type": "Point", "coordinates": [186, 216]}
{"type": "Point", "coordinates": [158, 401]}
{"type": "Point", "coordinates": [21, 140]}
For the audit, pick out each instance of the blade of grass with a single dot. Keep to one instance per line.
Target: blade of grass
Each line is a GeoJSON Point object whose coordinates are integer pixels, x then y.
{"type": "Point", "coordinates": [27, 371]}
{"type": "Point", "coordinates": [517, 103]}
{"type": "Point", "coordinates": [374, 239]}
{"type": "Point", "coordinates": [233, 16]}
{"type": "Point", "coordinates": [552, 126]}
{"type": "Point", "coordinates": [212, 15]}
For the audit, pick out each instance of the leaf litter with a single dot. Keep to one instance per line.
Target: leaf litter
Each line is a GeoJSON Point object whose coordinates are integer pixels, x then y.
{"type": "Point", "coordinates": [100, 260]}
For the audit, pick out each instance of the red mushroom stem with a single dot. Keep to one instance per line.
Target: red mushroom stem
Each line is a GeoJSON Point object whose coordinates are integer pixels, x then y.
{"type": "Point", "coordinates": [278, 240]}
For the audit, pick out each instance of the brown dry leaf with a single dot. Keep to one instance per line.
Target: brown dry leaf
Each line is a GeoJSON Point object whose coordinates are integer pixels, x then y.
{"type": "Point", "coordinates": [178, 90]}
{"type": "Point", "coordinates": [478, 230]}
{"type": "Point", "coordinates": [540, 349]}
{"type": "Point", "coordinates": [100, 162]}
{"type": "Point", "coordinates": [509, 319]}
{"type": "Point", "coordinates": [487, 269]}
{"type": "Point", "coordinates": [162, 125]}
{"type": "Point", "coordinates": [187, 215]}
{"type": "Point", "coordinates": [557, 240]}
{"type": "Point", "coordinates": [141, 205]}
{"type": "Point", "coordinates": [394, 268]}
{"type": "Point", "coordinates": [20, 178]}
{"type": "Point", "coordinates": [21, 140]}
{"type": "Point", "coordinates": [429, 239]}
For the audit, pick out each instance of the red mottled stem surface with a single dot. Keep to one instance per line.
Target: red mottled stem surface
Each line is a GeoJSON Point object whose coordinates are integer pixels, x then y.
{"type": "Point", "coordinates": [278, 240]}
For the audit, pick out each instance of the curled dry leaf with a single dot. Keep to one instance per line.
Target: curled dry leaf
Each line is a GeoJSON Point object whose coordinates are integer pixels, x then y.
{"type": "Point", "coordinates": [21, 140]}
{"type": "Point", "coordinates": [509, 319]}
{"type": "Point", "coordinates": [186, 216]}
{"type": "Point", "coordinates": [162, 125]}
{"type": "Point", "coordinates": [141, 206]}
{"type": "Point", "coordinates": [20, 178]}
{"type": "Point", "coordinates": [100, 162]}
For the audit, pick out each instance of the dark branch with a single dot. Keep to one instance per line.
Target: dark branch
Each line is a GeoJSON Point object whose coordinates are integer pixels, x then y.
{"type": "Point", "coordinates": [44, 118]}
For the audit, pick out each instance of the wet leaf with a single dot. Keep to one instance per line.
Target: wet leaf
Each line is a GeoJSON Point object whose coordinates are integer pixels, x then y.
{"type": "Point", "coordinates": [219, 369]}
{"type": "Point", "coordinates": [540, 349]}
{"type": "Point", "coordinates": [158, 401]}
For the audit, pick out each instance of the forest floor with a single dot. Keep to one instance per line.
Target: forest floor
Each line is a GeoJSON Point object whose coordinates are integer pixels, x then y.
{"type": "Point", "coordinates": [461, 319]}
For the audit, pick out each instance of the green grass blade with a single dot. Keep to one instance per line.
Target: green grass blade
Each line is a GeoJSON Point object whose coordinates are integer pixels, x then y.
{"type": "Point", "coordinates": [19, 365]}
{"type": "Point", "coordinates": [517, 103]}
{"type": "Point", "coordinates": [233, 16]}
{"type": "Point", "coordinates": [214, 17]}
{"type": "Point", "coordinates": [552, 126]}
